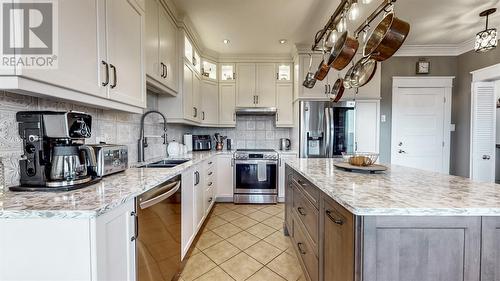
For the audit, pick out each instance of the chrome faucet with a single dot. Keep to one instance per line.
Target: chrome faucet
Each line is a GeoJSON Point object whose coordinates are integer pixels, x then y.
{"type": "Point", "coordinates": [143, 141]}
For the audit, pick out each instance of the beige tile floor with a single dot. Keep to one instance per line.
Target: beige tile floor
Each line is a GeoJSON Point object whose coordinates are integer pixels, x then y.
{"type": "Point", "coordinates": [243, 242]}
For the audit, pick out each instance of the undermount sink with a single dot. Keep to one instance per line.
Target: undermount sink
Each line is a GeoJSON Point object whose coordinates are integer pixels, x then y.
{"type": "Point", "coordinates": [165, 163]}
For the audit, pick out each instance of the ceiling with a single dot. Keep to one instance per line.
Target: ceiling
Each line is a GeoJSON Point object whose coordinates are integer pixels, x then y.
{"type": "Point", "coordinates": [255, 27]}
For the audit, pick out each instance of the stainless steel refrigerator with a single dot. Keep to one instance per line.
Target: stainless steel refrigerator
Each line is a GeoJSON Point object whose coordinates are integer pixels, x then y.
{"type": "Point", "coordinates": [326, 128]}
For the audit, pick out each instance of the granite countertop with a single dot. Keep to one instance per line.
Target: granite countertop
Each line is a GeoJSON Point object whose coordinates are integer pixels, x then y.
{"type": "Point", "coordinates": [98, 198]}
{"type": "Point", "coordinates": [401, 191]}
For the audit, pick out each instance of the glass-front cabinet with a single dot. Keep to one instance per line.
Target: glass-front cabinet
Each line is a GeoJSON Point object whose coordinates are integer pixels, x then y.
{"type": "Point", "coordinates": [209, 70]}
{"type": "Point", "coordinates": [227, 72]}
{"type": "Point", "coordinates": [188, 50]}
{"type": "Point", "coordinates": [284, 72]}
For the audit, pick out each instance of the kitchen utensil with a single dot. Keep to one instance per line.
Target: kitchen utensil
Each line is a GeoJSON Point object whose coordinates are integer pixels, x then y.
{"type": "Point", "coordinates": [219, 145]}
{"type": "Point", "coordinates": [360, 158]}
{"type": "Point", "coordinates": [386, 38]}
{"type": "Point", "coordinates": [285, 144]}
{"type": "Point", "coordinates": [343, 52]}
{"type": "Point", "coordinates": [309, 81]}
{"type": "Point", "coordinates": [351, 168]}
{"type": "Point", "coordinates": [361, 73]}
{"type": "Point", "coordinates": [338, 90]}
{"type": "Point", "coordinates": [323, 67]}
{"type": "Point", "coordinates": [173, 148]}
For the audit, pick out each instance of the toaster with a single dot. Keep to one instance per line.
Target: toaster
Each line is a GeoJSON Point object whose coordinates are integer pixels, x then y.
{"type": "Point", "coordinates": [110, 158]}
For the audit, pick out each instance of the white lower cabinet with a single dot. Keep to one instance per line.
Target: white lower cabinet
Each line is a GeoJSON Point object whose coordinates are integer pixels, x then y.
{"type": "Point", "coordinates": [199, 199]}
{"type": "Point", "coordinates": [224, 190]}
{"type": "Point", "coordinates": [187, 210]}
{"type": "Point", "coordinates": [115, 244]}
{"type": "Point", "coordinates": [55, 249]}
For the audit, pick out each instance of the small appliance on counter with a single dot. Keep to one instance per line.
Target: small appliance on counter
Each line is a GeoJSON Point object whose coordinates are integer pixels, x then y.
{"type": "Point", "coordinates": [285, 144]}
{"type": "Point", "coordinates": [202, 142]}
{"type": "Point", "coordinates": [110, 158]}
{"type": "Point", "coordinates": [188, 142]}
{"type": "Point", "coordinates": [55, 155]}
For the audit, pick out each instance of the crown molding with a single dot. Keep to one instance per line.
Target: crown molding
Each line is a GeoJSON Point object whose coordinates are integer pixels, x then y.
{"type": "Point", "coordinates": [436, 49]}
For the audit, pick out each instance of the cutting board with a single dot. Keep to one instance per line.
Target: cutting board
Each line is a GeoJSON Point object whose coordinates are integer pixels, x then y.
{"type": "Point", "coordinates": [351, 168]}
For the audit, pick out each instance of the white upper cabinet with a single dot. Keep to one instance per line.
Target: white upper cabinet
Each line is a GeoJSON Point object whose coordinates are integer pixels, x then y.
{"type": "Point", "coordinates": [284, 72]}
{"type": "Point", "coordinates": [266, 85]}
{"type": "Point", "coordinates": [227, 101]}
{"type": "Point", "coordinates": [188, 50]}
{"type": "Point", "coordinates": [367, 125]}
{"type": "Point", "coordinates": [284, 105]}
{"type": "Point", "coordinates": [161, 49]}
{"type": "Point", "coordinates": [227, 72]}
{"type": "Point", "coordinates": [245, 85]}
{"type": "Point", "coordinates": [78, 50]}
{"type": "Point", "coordinates": [187, 94]}
{"type": "Point", "coordinates": [124, 36]}
{"type": "Point", "coordinates": [197, 97]}
{"type": "Point", "coordinates": [210, 102]}
{"type": "Point", "coordinates": [209, 70]}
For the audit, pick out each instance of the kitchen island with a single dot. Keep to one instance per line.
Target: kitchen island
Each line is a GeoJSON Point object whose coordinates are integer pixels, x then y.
{"type": "Point", "coordinates": [403, 224]}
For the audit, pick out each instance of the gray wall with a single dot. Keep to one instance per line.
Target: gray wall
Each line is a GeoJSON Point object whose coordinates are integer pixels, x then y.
{"type": "Point", "coordinates": [404, 66]}
{"type": "Point", "coordinates": [460, 113]}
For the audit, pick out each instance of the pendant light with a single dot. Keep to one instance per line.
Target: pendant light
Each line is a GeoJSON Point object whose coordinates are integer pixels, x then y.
{"type": "Point", "coordinates": [487, 39]}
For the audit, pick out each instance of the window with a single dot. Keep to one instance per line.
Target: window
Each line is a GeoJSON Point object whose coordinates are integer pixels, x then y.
{"type": "Point", "coordinates": [197, 62]}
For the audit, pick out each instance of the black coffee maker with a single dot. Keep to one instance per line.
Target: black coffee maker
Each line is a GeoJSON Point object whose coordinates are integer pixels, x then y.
{"type": "Point", "coordinates": [55, 155]}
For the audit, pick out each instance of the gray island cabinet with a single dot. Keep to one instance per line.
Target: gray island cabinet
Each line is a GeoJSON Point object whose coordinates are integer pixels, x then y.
{"type": "Point", "coordinates": [347, 226]}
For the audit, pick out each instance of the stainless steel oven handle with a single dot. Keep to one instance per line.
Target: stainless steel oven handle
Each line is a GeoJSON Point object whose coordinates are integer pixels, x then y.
{"type": "Point", "coordinates": [255, 162]}
{"type": "Point", "coordinates": [172, 189]}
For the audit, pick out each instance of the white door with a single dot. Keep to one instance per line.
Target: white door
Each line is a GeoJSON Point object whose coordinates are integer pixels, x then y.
{"type": "Point", "coordinates": [418, 124]}
{"type": "Point", "coordinates": [245, 84]}
{"type": "Point", "coordinates": [168, 49]}
{"type": "Point", "coordinates": [367, 126]}
{"type": "Point", "coordinates": [187, 93]}
{"type": "Point", "coordinates": [266, 85]}
{"type": "Point", "coordinates": [483, 131]}
{"type": "Point", "coordinates": [78, 58]}
{"type": "Point", "coordinates": [125, 25]}
{"type": "Point", "coordinates": [227, 99]}
{"type": "Point", "coordinates": [210, 102]}
{"type": "Point", "coordinates": [284, 105]}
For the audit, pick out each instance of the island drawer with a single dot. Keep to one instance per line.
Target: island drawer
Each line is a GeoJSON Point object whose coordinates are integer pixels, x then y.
{"type": "Point", "coordinates": [305, 252]}
{"type": "Point", "coordinates": [311, 192]}
{"type": "Point", "coordinates": [308, 216]}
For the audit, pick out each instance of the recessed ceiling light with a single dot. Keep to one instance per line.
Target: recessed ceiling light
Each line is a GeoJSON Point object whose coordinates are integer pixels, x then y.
{"type": "Point", "coordinates": [226, 41]}
{"type": "Point", "coordinates": [282, 41]}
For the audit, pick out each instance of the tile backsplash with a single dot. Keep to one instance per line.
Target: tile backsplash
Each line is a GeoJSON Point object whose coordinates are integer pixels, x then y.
{"type": "Point", "coordinates": [107, 125]}
{"type": "Point", "coordinates": [250, 132]}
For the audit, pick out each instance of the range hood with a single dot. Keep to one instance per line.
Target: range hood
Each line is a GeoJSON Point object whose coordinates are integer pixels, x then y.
{"type": "Point", "coordinates": [256, 111]}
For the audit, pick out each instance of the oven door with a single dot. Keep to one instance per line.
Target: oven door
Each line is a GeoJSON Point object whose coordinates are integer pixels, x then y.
{"type": "Point", "coordinates": [246, 178]}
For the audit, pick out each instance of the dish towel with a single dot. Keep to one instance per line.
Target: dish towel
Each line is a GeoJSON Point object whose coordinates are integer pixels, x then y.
{"type": "Point", "coordinates": [262, 171]}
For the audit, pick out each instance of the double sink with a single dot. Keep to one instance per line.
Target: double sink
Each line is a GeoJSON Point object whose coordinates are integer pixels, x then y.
{"type": "Point", "coordinates": [165, 163]}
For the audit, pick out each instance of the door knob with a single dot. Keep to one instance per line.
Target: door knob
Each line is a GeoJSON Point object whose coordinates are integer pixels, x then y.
{"type": "Point", "coordinates": [401, 151]}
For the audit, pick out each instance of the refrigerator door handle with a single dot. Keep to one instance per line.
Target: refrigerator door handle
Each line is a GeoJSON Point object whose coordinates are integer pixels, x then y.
{"type": "Point", "coordinates": [327, 139]}
{"type": "Point", "coordinates": [332, 132]}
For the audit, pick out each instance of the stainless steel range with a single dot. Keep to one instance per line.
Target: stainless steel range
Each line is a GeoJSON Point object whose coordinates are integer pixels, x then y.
{"type": "Point", "coordinates": [255, 176]}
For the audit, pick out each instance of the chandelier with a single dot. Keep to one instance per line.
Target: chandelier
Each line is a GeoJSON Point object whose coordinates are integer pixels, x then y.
{"type": "Point", "coordinates": [487, 39]}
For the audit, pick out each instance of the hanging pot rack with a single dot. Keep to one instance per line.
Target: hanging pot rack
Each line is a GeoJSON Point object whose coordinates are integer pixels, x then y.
{"type": "Point", "coordinates": [337, 16]}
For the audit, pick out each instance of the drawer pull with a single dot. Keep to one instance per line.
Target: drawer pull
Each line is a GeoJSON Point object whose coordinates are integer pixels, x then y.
{"type": "Point", "coordinates": [210, 200]}
{"type": "Point", "coordinates": [210, 173]}
{"type": "Point", "coordinates": [210, 184]}
{"type": "Point", "coordinates": [301, 183]}
{"type": "Point", "coordinates": [336, 221]}
{"type": "Point", "coordinates": [299, 246]}
{"type": "Point", "coordinates": [301, 211]}
{"type": "Point", "coordinates": [210, 163]}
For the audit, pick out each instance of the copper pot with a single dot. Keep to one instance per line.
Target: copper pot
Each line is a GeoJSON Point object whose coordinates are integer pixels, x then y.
{"type": "Point", "coordinates": [338, 90]}
{"type": "Point", "coordinates": [343, 52]}
{"type": "Point", "coordinates": [322, 71]}
{"type": "Point", "coordinates": [386, 38]}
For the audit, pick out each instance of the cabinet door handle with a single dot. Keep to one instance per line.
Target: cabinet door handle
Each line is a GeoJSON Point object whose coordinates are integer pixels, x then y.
{"type": "Point", "coordinates": [210, 183]}
{"type": "Point", "coordinates": [210, 173]}
{"type": "Point", "coordinates": [196, 178]}
{"type": "Point", "coordinates": [326, 88]}
{"type": "Point", "coordinates": [166, 70]}
{"type": "Point", "coordinates": [234, 116]}
{"type": "Point", "coordinates": [203, 115]}
{"type": "Point", "coordinates": [115, 78]}
{"type": "Point", "coordinates": [195, 112]}
{"type": "Point", "coordinates": [277, 115]}
{"type": "Point", "coordinates": [106, 82]}
{"type": "Point", "coordinates": [162, 70]}
{"type": "Point", "coordinates": [253, 99]}
{"type": "Point", "coordinates": [136, 226]}
{"type": "Point", "coordinates": [277, 76]}
{"type": "Point", "coordinates": [257, 99]}
{"type": "Point", "coordinates": [299, 246]}
{"type": "Point", "coordinates": [210, 163]}
{"type": "Point", "coordinates": [234, 75]}
{"type": "Point", "coordinates": [210, 200]}
{"type": "Point", "coordinates": [329, 89]}
{"type": "Point", "coordinates": [301, 211]}
{"type": "Point", "coordinates": [336, 221]}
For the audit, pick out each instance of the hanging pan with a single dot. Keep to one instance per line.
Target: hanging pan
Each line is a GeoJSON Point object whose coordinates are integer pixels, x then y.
{"type": "Point", "coordinates": [338, 90]}
{"type": "Point", "coordinates": [386, 38]}
{"type": "Point", "coordinates": [361, 73]}
{"type": "Point", "coordinates": [309, 81]}
{"type": "Point", "coordinates": [323, 67]}
{"type": "Point", "coordinates": [343, 52]}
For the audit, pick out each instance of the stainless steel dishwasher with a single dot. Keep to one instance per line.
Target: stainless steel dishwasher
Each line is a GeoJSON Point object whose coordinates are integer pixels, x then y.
{"type": "Point", "coordinates": [159, 240]}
